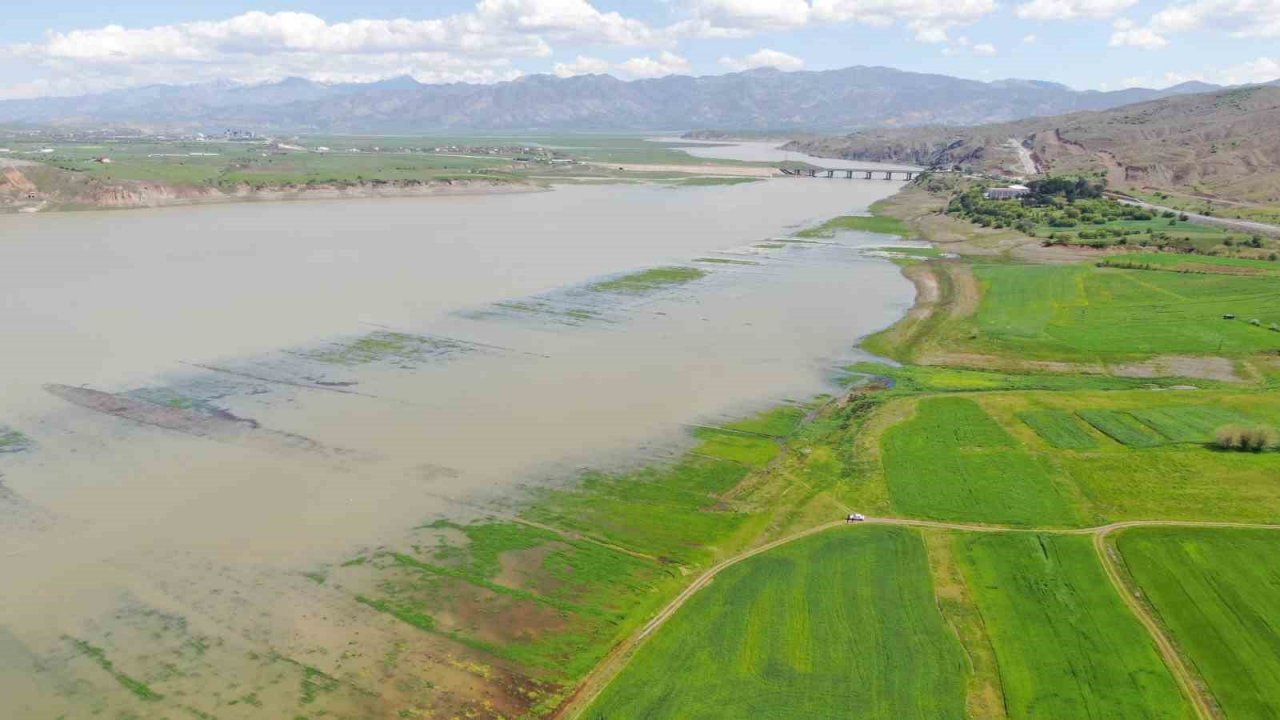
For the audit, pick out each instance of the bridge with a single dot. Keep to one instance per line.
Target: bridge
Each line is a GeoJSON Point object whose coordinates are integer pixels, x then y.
{"type": "Point", "coordinates": [850, 172]}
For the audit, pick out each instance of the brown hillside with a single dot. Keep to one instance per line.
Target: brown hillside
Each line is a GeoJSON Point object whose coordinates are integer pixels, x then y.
{"type": "Point", "coordinates": [1224, 144]}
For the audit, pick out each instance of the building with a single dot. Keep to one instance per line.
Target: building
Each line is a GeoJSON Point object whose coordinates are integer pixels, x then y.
{"type": "Point", "coordinates": [1007, 193]}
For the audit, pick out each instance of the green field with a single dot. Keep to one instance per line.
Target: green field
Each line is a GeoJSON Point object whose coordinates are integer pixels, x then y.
{"type": "Point", "coordinates": [1217, 591]}
{"type": "Point", "coordinates": [1060, 429]}
{"type": "Point", "coordinates": [843, 622]}
{"type": "Point", "coordinates": [1065, 643]}
{"type": "Point", "coordinates": [1081, 313]}
{"type": "Point", "coordinates": [1122, 427]}
{"type": "Point", "coordinates": [1188, 423]}
{"type": "Point", "coordinates": [953, 462]}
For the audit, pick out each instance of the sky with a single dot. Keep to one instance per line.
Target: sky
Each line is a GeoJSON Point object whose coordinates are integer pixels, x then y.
{"type": "Point", "coordinates": [71, 47]}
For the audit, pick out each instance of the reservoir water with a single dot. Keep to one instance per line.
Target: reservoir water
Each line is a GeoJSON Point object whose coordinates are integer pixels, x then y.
{"type": "Point", "coordinates": [214, 400]}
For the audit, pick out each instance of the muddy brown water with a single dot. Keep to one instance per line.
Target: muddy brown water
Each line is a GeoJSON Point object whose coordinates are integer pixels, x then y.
{"type": "Point", "coordinates": [220, 398]}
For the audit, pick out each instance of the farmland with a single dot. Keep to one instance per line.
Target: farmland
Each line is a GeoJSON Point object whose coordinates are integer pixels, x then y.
{"type": "Point", "coordinates": [1029, 424]}
{"type": "Point", "coordinates": [1217, 591]}
{"type": "Point", "coordinates": [953, 462]}
{"type": "Point", "coordinates": [1065, 644]}
{"type": "Point", "coordinates": [1084, 314]}
{"type": "Point", "coordinates": [781, 636]}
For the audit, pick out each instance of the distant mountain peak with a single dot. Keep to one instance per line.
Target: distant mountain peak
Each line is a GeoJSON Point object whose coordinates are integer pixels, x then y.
{"type": "Point", "coordinates": [758, 99]}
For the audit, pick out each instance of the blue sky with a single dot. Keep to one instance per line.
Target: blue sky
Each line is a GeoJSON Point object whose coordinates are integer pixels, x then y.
{"type": "Point", "coordinates": [76, 46]}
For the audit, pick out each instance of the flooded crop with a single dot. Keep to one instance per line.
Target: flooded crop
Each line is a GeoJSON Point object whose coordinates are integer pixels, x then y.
{"type": "Point", "coordinates": [432, 470]}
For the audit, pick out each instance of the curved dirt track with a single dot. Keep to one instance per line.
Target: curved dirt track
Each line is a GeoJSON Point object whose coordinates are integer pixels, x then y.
{"type": "Point", "coordinates": [609, 668]}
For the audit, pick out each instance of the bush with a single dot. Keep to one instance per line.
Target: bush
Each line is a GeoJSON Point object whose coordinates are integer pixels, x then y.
{"type": "Point", "coordinates": [1243, 438]}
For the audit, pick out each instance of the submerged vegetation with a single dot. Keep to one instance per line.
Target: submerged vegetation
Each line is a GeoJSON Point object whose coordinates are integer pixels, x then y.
{"type": "Point", "coordinates": [649, 280]}
{"type": "Point", "coordinates": [868, 223]}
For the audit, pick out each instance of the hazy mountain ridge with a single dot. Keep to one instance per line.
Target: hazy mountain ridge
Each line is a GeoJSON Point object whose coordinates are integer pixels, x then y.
{"type": "Point", "coordinates": [1224, 143]}
{"type": "Point", "coordinates": [766, 99]}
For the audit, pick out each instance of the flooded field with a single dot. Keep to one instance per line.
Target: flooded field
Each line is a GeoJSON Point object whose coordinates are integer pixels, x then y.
{"type": "Point", "coordinates": [215, 421]}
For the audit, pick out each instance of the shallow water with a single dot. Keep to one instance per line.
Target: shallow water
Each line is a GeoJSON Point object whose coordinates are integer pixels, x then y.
{"type": "Point", "coordinates": [338, 372]}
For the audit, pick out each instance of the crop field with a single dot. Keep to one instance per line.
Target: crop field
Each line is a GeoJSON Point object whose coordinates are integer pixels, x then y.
{"type": "Point", "coordinates": [1188, 423]}
{"type": "Point", "coordinates": [1066, 645]}
{"type": "Point", "coordinates": [1217, 592]}
{"type": "Point", "coordinates": [1102, 314]}
{"type": "Point", "coordinates": [952, 461]}
{"type": "Point", "coordinates": [998, 457]}
{"type": "Point", "coordinates": [841, 622]}
{"type": "Point", "coordinates": [1122, 427]}
{"type": "Point", "coordinates": [1060, 429]}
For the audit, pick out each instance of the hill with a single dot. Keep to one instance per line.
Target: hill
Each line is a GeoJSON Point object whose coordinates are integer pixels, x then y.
{"type": "Point", "coordinates": [831, 100]}
{"type": "Point", "coordinates": [1221, 144]}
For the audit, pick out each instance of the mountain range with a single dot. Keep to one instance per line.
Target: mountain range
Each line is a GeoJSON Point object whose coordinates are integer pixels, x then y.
{"type": "Point", "coordinates": [761, 99]}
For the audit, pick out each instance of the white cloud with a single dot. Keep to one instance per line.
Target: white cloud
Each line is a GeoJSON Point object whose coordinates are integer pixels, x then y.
{"type": "Point", "coordinates": [764, 58]}
{"type": "Point", "coordinates": [664, 64]}
{"type": "Point", "coordinates": [1072, 9]}
{"type": "Point", "coordinates": [581, 65]}
{"type": "Point", "coordinates": [475, 46]}
{"type": "Point", "coordinates": [986, 49]}
{"type": "Point", "coordinates": [738, 18]}
{"type": "Point", "coordinates": [1238, 18]}
{"type": "Point", "coordinates": [928, 19]}
{"type": "Point", "coordinates": [1029, 39]}
{"type": "Point", "coordinates": [1260, 70]}
{"type": "Point", "coordinates": [1126, 34]}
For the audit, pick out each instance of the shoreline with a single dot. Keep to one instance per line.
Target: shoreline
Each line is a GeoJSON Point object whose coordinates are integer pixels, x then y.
{"type": "Point", "coordinates": [149, 196]}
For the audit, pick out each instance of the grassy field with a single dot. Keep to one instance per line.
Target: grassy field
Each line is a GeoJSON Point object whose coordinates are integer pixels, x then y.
{"type": "Point", "coordinates": [1217, 591]}
{"type": "Point", "coordinates": [1081, 313]}
{"type": "Point", "coordinates": [843, 622]}
{"type": "Point", "coordinates": [1066, 645]}
{"type": "Point", "coordinates": [951, 461]}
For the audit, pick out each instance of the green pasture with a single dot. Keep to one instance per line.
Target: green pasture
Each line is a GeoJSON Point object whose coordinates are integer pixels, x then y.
{"type": "Point", "coordinates": [1217, 592]}
{"type": "Point", "coordinates": [1065, 644]}
{"type": "Point", "coordinates": [1087, 314]}
{"type": "Point", "coordinates": [952, 461]}
{"type": "Point", "coordinates": [843, 624]}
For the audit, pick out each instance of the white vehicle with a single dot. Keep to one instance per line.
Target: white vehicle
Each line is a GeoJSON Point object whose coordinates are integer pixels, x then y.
{"type": "Point", "coordinates": [855, 517]}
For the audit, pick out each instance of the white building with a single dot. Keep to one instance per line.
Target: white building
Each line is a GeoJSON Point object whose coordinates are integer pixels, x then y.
{"type": "Point", "coordinates": [1007, 193]}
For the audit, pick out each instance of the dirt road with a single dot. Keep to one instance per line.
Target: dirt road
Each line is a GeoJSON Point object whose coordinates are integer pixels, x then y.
{"type": "Point", "coordinates": [613, 664]}
{"type": "Point", "coordinates": [1247, 226]}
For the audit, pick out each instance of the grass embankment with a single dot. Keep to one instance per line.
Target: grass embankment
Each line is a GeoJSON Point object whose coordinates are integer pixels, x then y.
{"type": "Point", "coordinates": [815, 629]}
